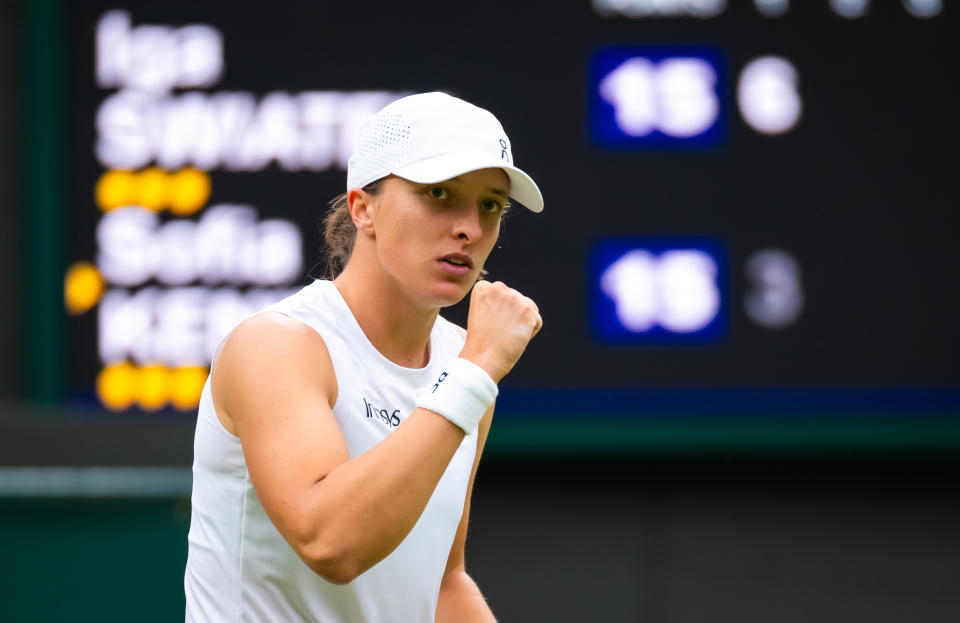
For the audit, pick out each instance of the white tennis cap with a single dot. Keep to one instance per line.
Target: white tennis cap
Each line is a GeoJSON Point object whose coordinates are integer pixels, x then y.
{"type": "Point", "coordinates": [432, 137]}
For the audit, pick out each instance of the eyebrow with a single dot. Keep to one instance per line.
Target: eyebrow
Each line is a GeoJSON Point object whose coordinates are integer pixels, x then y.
{"type": "Point", "coordinates": [490, 189]}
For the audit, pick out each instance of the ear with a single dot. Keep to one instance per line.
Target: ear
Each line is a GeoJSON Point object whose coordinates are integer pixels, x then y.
{"type": "Point", "coordinates": [360, 204]}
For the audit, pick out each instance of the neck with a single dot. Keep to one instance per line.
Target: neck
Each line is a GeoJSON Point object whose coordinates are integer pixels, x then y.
{"type": "Point", "coordinates": [392, 321]}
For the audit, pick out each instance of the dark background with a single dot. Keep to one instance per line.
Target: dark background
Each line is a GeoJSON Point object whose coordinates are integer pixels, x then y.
{"type": "Point", "coordinates": [859, 192]}
{"type": "Point", "coordinates": [823, 486]}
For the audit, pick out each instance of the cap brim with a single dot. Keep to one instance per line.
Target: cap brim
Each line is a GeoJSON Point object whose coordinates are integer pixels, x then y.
{"type": "Point", "coordinates": [440, 168]}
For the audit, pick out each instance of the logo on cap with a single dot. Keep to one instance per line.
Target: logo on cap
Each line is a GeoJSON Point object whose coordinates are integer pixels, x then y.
{"type": "Point", "coordinates": [503, 154]}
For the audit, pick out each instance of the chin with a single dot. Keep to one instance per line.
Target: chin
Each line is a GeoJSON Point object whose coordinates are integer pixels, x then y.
{"type": "Point", "coordinates": [449, 293]}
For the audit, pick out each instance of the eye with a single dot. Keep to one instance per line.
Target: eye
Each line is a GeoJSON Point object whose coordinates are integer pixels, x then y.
{"type": "Point", "coordinates": [491, 205]}
{"type": "Point", "coordinates": [437, 192]}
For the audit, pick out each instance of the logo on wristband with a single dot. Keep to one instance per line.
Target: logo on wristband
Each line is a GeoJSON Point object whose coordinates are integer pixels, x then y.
{"type": "Point", "coordinates": [437, 384]}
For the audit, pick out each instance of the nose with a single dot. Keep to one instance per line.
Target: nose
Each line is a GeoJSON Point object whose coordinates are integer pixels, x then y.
{"type": "Point", "coordinates": [466, 224]}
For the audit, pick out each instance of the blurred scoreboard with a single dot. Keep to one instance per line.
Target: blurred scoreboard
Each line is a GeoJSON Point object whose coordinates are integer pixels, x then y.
{"type": "Point", "coordinates": [749, 201]}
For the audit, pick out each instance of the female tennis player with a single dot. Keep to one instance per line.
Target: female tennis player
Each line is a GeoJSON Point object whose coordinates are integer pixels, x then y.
{"type": "Point", "coordinates": [340, 430]}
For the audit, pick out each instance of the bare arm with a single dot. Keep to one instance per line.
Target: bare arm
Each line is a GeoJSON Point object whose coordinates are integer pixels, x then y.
{"type": "Point", "coordinates": [273, 386]}
{"type": "Point", "coordinates": [460, 599]}
{"type": "Point", "coordinates": [274, 383]}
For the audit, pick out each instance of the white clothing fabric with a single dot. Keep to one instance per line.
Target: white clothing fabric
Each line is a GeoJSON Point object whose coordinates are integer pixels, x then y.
{"type": "Point", "coordinates": [239, 568]}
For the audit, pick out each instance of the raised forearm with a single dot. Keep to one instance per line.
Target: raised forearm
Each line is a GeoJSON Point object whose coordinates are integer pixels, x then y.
{"type": "Point", "coordinates": [365, 507]}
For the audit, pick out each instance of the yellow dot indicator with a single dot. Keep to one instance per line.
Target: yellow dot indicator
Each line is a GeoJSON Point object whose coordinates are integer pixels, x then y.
{"type": "Point", "coordinates": [186, 385]}
{"type": "Point", "coordinates": [117, 386]}
{"type": "Point", "coordinates": [82, 287]}
{"type": "Point", "coordinates": [115, 188]}
{"type": "Point", "coordinates": [189, 190]}
{"type": "Point", "coordinates": [154, 387]}
{"type": "Point", "coordinates": [151, 189]}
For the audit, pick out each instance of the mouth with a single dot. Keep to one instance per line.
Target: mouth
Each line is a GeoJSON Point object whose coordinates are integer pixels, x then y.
{"type": "Point", "coordinates": [458, 259]}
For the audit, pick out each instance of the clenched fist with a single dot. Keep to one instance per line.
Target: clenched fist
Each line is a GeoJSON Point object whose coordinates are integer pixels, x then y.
{"type": "Point", "coordinates": [500, 324]}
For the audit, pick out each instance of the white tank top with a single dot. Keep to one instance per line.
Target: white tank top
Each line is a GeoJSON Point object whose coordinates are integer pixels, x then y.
{"type": "Point", "coordinates": [239, 568]}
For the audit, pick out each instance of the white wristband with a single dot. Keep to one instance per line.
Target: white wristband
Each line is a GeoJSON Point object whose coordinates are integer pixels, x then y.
{"type": "Point", "coordinates": [462, 394]}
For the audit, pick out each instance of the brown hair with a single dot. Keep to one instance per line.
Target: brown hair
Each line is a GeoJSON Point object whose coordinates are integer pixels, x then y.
{"type": "Point", "coordinates": [339, 232]}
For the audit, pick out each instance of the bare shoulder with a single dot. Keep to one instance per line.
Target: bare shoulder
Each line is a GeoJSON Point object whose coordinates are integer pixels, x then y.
{"type": "Point", "coordinates": [260, 330]}
{"type": "Point", "coordinates": [268, 338]}
{"type": "Point", "coordinates": [266, 357]}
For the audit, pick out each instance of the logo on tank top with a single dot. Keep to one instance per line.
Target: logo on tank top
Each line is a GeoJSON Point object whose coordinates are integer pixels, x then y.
{"type": "Point", "coordinates": [384, 416]}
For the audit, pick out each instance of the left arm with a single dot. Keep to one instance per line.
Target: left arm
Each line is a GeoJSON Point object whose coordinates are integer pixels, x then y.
{"type": "Point", "coordinates": [460, 600]}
